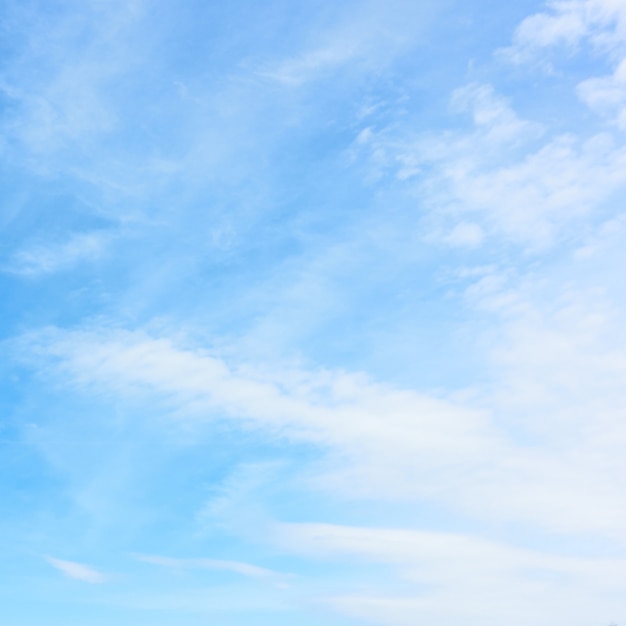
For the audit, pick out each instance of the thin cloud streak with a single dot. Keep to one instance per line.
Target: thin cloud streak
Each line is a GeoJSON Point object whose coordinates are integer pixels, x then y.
{"type": "Point", "coordinates": [77, 571]}
{"type": "Point", "coordinates": [244, 569]}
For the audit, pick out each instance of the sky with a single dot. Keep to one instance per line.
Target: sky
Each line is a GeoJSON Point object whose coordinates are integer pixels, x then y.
{"type": "Point", "coordinates": [313, 313]}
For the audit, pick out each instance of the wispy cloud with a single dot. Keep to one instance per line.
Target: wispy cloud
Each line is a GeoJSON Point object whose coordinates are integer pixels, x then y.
{"type": "Point", "coordinates": [607, 95]}
{"type": "Point", "coordinates": [389, 439]}
{"type": "Point", "coordinates": [473, 579]}
{"type": "Point", "coordinates": [66, 105]}
{"type": "Point", "coordinates": [369, 40]}
{"type": "Point", "coordinates": [77, 571]}
{"type": "Point", "coordinates": [41, 259]}
{"type": "Point", "coordinates": [237, 567]}
{"type": "Point", "coordinates": [601, 22]}
{"type": "Point", "coordinates": [503, 175]}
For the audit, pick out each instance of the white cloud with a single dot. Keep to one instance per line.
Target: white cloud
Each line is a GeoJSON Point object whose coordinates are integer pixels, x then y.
{"type": "Point", "coordinates": [501, 176]}
{"type": "Point", "coordinates": [466, 234]}
{"type": "Point", "coordinates": [77, 571]}
{"type": "Point", "coordinates": [60, 88]}
{"type": "Point", "coordinates": [310, 64]}
{"type": "Point", "coordinates": [307, 403]}
{"type": "Point", "coordinates": [456, 578]}
{"type": "Point", "coordinates": [245, 569]}
{"type": "Point", "coordinates": [387, 443]}
{"type": "Point", "coordinates": [364, 38]}
{"type": "Point", "coordinates": [41, 259]}
{"type": "Point", "coordinates": [568, 23]}
{"type": "Point", "coordinates": [607, 95]}
{"type": "Point", "coordinates": [493, 115]}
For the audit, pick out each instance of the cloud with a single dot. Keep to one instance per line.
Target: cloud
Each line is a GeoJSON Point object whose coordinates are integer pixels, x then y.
{"type": "Point", "coordinates": [461, 577]}
{"type": "Point", "coordinates": [237, 567]}
{"type": "Point", "coordinates": [66, 103]}
{"type": "Point", "coordinates": [502, 176]}
{"type": "Point", "coordinates": [77, 571]}
{"type": "Point", "coordinates": [380, 428]}
{"type": "Point", "coordinates": [310, 64]}
{"type": "Point", "coordinates": [600, 22]}
{"type": "Point", "coordinates": [393, 444]}
{"type": "Point", "coordinates": [364, 36]}
{"type": "Point", "coordinates": [607, 95]}
{"type": "Point", "coordinates": [465, 234]}
{"type": "Point", "coordinates": [42, 259]}
{"type": "Point", "coordinates": [300, 403]}
{"type": "Point", "coordinates": [492, 114]}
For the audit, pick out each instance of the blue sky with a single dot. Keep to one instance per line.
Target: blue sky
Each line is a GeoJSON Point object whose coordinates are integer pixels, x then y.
{"type": "Point", "coordinates": [313, 313]}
